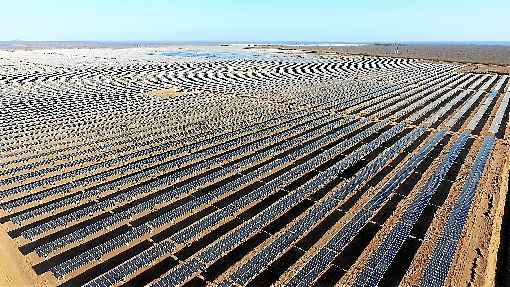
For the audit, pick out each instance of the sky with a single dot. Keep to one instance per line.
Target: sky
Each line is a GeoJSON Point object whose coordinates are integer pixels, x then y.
{"type": "Point", "coordinates": [255, 20]}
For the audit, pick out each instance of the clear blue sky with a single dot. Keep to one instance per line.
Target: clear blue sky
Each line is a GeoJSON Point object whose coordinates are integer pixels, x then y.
{"type": "Point", "coordinates": [256, 20]}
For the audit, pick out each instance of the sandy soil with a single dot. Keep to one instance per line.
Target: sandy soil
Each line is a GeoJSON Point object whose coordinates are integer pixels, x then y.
{"type": "Point", "coordinates": [167, 93]}
{"type": "Point", "coordinates": [486, 68]}
{"type": "Point", "coordinates": [490, 271]}
{"type": "Point", "coordinates": [14, 270]}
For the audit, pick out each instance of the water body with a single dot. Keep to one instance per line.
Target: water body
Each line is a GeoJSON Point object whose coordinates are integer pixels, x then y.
{"type": "Point", "coordinates": [217, 55]}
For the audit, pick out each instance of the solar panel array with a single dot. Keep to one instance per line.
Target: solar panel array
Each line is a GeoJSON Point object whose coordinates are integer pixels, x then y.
{"type": "Point", "coordinates": [290, 171]}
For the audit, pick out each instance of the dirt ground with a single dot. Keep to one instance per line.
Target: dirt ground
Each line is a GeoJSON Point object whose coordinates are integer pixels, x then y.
{"type": "Point", "coordinates": [14, 270]}
{"type": "Point", "coordinates": [167, 93]}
